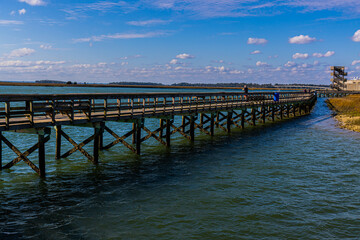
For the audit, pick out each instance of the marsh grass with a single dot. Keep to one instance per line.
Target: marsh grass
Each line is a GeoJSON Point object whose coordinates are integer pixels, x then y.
{"type": "Point", "coordinates": [348, 111]}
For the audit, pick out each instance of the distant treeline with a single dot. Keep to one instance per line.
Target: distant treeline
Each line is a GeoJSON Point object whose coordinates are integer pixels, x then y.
{"type": "Point", "coordinates": [198, 85]}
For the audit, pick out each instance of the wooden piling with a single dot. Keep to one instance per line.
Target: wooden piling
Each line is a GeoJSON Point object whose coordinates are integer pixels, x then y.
{"type": "Point", "coordinates": [242, 119]}
{"type": "Point", "coordinates": [253, 116]}
{"type": "Point", "coordinates": [192, 128]}
{"type": "Point", "coordinates": [0, 151]}
{"type": "Point", "coordinates": [41, 154]}
{"type": "Point", "coordinates": [229, 121]}
{"type": "Point", "coordinates": [58, 142]}
{"type": "Point", "coordinates": [168, 132]}
{"type": "Point", "coordinates": [138, 126]}
{"type": "Point", "coordinates": [97, 131]}
{"type": "Point", "coordinates": [212, 124]}
{"type": "Point", "coordinates": [134, 133]}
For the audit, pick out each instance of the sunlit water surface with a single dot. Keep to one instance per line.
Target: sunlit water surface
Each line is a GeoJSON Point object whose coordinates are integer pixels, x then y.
{"type": "Point", "coordinates": [297, 179]}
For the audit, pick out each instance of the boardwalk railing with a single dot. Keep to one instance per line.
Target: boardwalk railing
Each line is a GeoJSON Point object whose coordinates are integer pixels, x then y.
{"type": "Point", "coordinates": [36, 113]}
{"type": "Point", "coordinates": [335, 93]}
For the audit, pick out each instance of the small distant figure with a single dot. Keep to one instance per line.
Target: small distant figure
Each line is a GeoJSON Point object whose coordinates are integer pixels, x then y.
{"type": "Point", "coordinates": [246, 91]}
{"type": "Point", "coordinates": [276, 96]}
{"type": "Point", "coordinates": [305, 91]}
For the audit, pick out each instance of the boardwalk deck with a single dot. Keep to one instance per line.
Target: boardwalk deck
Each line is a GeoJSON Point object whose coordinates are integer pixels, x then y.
{"type": "Point", "coordinates": [200, 110]}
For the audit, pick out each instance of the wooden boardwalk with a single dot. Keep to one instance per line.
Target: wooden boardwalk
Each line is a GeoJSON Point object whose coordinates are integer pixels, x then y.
{"type": "Point", "coordinates": [335, 93]}
{"type": "Point", "coordinates": [205, 111]}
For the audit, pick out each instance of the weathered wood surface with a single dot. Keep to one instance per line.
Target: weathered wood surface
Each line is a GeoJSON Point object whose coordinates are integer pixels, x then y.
{"type": "Point", "coordinates": [334, 93]}
{"type": "Point", "coordinates": [36, 111]}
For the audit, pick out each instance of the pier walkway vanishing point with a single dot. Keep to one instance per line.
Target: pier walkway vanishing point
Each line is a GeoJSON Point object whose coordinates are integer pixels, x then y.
{"type": "Point", "coordinates": [37, 113]}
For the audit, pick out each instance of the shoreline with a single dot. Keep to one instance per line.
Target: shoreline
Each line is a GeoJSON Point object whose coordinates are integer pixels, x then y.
{"type": "Point", "coordinates": [346, 112]}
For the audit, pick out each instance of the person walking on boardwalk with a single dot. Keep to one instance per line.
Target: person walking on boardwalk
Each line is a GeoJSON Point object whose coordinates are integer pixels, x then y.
{"type": "Point", "coordinates": [246, 91]}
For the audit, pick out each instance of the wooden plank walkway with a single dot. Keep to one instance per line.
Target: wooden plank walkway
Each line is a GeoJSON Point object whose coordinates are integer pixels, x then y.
{"type": "Point", "coordinates": [199, 110]}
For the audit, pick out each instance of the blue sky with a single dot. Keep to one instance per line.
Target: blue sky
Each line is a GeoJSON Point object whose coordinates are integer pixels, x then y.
{"type": "Point", "coordinates": [169, 41]}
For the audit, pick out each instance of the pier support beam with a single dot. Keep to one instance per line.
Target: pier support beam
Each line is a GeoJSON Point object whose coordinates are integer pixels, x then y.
{"type": "Point", "coordinates": [43, 137]}
{"type": "Point", "coordinates": [1, 151]}
{"type": "Point", "coordinates": [168, 132]}
{"type": "Point", "coordinates": [192, 128]}
{"type": "Point", "coordinates": [212, 124]}
{"type": "Point", "coordinates": [138, 127]}
{"type": "Point", "coordinates": [58, 142]}
{"type": "Point", "coordinates": [253, 116]}
{"type": "Point", "coordinates": [229, 121]}
{"type": "Point", "coordinates": [242, 119]}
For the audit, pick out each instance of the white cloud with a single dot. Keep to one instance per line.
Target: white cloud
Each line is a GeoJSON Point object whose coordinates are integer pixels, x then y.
{"type": "Point", "coordinates": [327, 54]}
{"type": "Point", "coordinates": [300, 55]}
{"type": "Point", "coordinates": [10, 22]}
{"type": "Point", "coordinates": [46, 46]}
{"type": "Point", "coordinates": [148, 22]}
{"type": "Point", "coordinates": [261, 64]}
{"type": "Point", "coordinates": [34, 2]}
{"type": "Point", "coordinates": [174, 61]}
{"type": "Point", "coordinates": [356, 36]}
{"type": "Point", "coordinates": [18, 63]}
{"type": "Point", "coordinates": [256, 52]}
{"type": "Point", "coordinates": [185, 56]}
{"type": "Point", "coordinates": [22, 11]}
{"type": "Point", "coordinates": [301, 39]}
{"type": "Point", "coordinates": [12, 13]}
{"type": "Point", "coordinates": [290, 64]}
{"type": "Point", "coordinates": [119, 36]}
{"type": "Point", "coordinates": [355, 62]}
{"type": "Point", "coordinates": [21, 52]}
{"type": "Point", "coordinates": [257, 41]}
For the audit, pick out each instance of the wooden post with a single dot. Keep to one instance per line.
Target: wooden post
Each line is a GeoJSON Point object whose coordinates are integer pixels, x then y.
{"type": "Point", "coordinates": [281, 112]}
{"type": "Point", "coordinates": [161, 130]}
{"type": "Point", "coordinates": [217, 119]}
{"type": "Point", "coordinates": [273, 113]}
{"type": "Point", "coordinates": [228, 121]}
{"type": "Point", "coordinates": [263, 113]}
{"type": "Point", "coordinates": [41, 154]}
{"type": "Point", "coordinates": [201, 118]}
{"type": "Point", "coordinates": [253, 116]}
{"type": "Point", "coordinates": [134, 133]}
{"type": "Point", "coordinates": [101, 135]}
{"type": "Point", "coordinates": [1, 151]}
{"type": "Point", "coordinates": [58, 143]}
{"type": "Point", "coordinates": [212, 124]}
{"type": "Point", "coordinates": [168, 132]}
{"type": "Point", "coordinates": [97, 131]}
{"type": "Point", "coordinates": [288, 111]}
{"type": "Point", "coordinates": [138, 136]}
{"type": "Point", "coordinates": [294, 110]}
{"type": "Point", "coordinates": [183, 123]}
{"type": "Point", "coordinates": [192, 128]}
{"type": "Point", "coordinates": [242, 119]}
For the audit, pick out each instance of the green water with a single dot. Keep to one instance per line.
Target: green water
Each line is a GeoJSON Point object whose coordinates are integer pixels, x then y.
{"type": "Point", "coordinates": [298, 179]}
